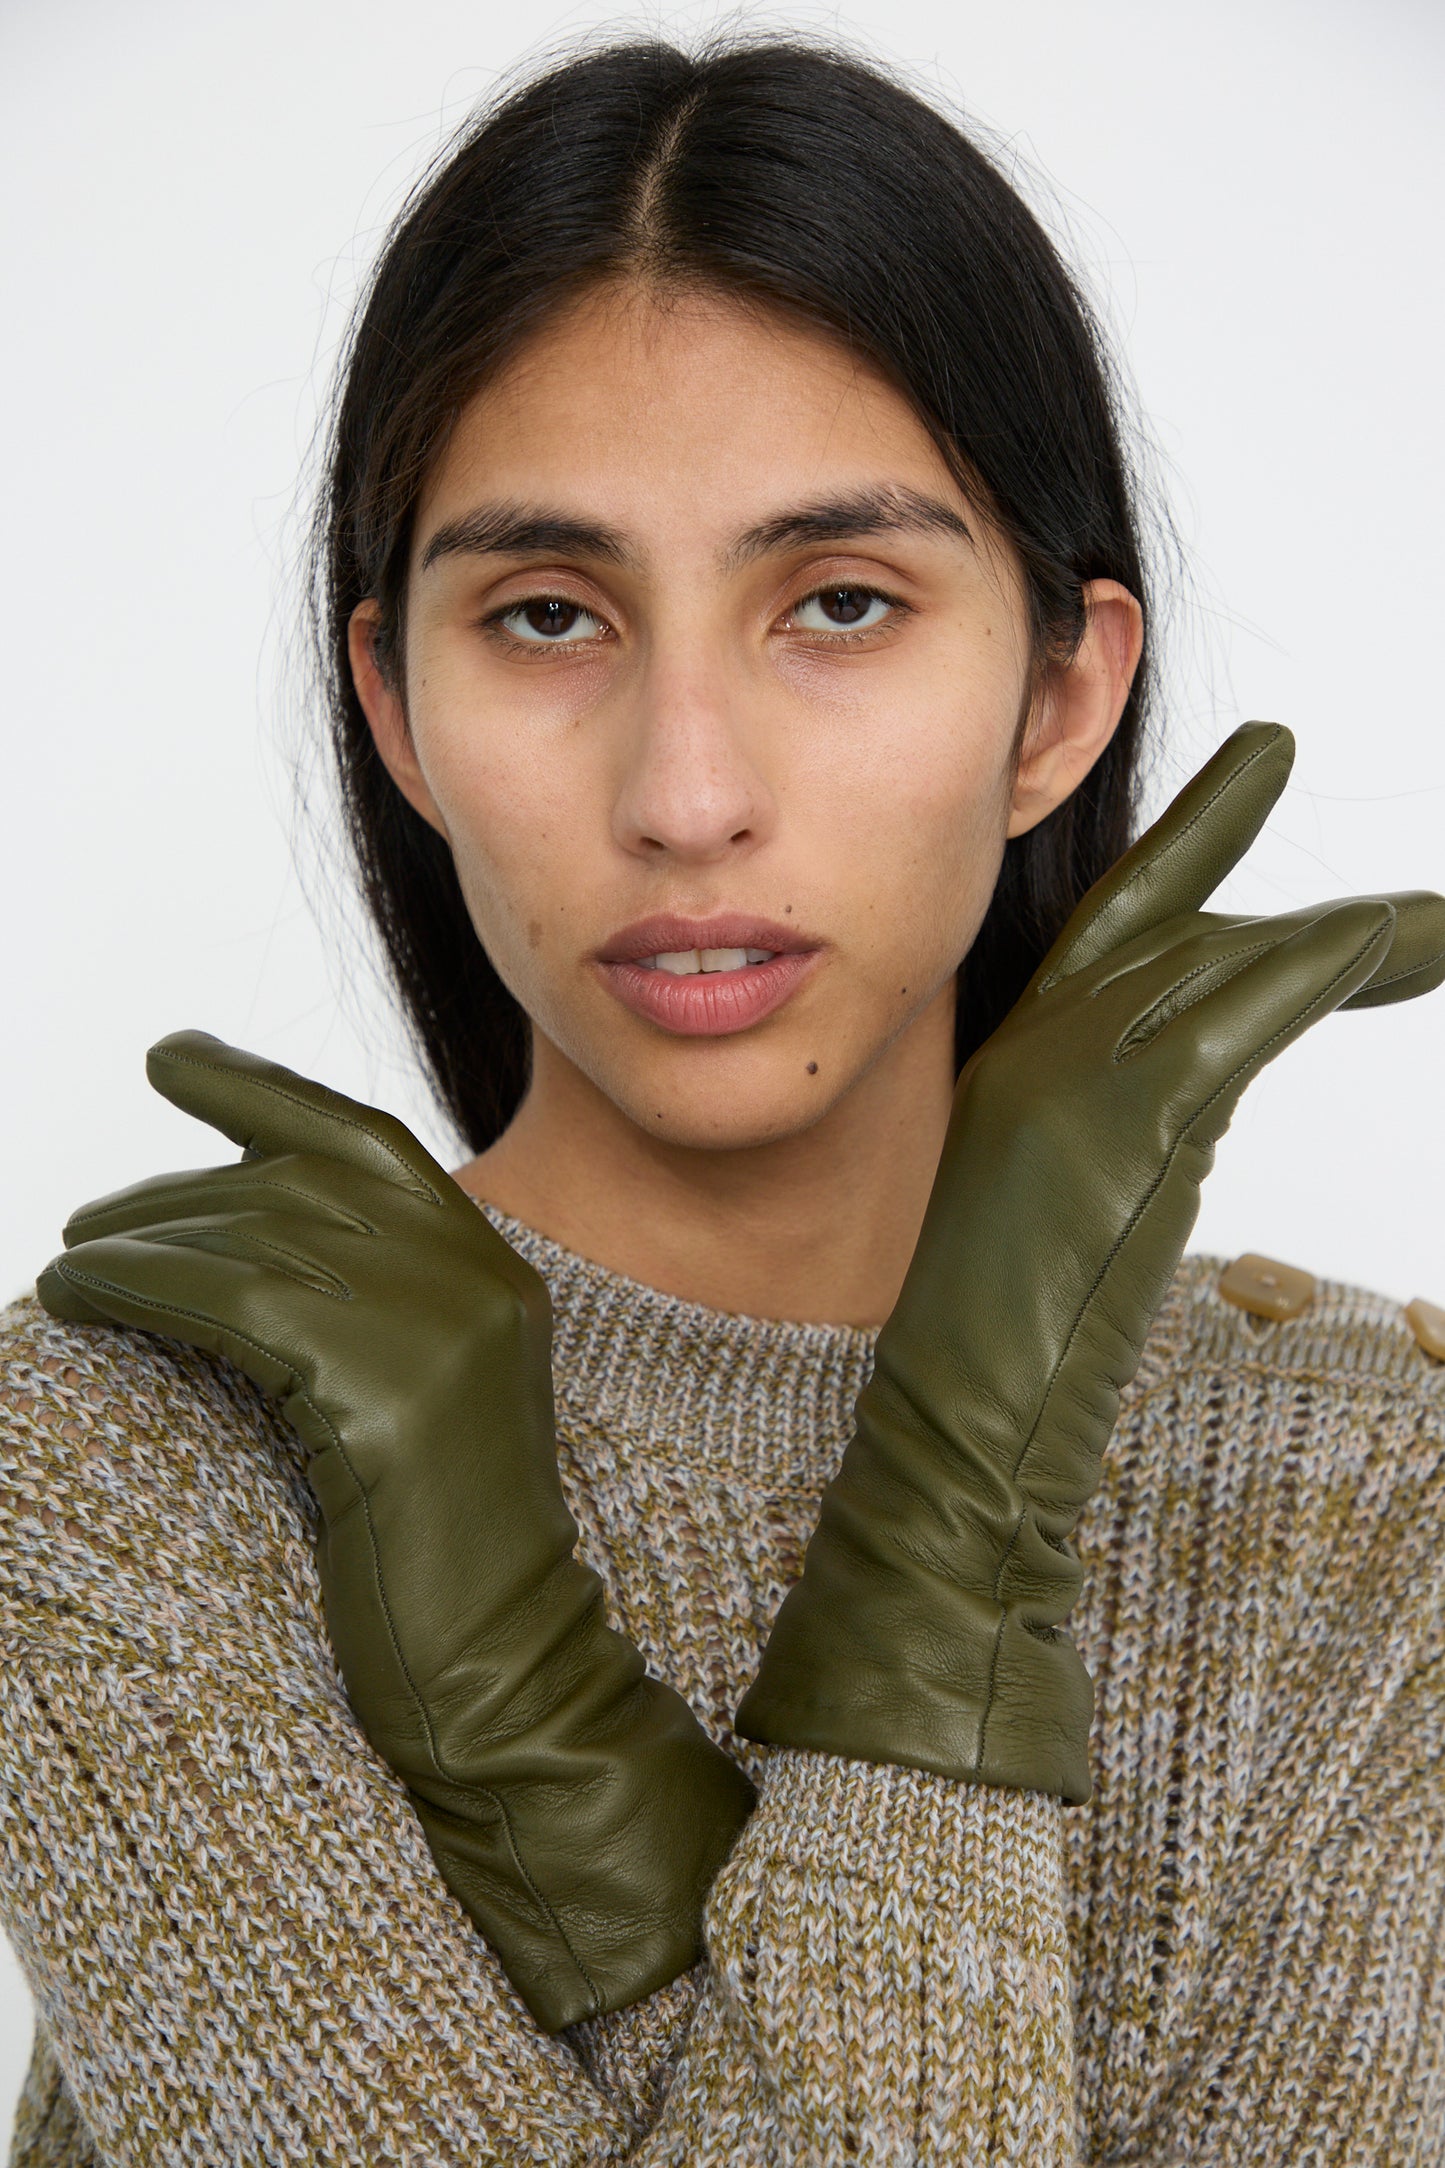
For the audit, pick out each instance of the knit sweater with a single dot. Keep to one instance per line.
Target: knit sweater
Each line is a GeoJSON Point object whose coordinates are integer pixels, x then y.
{"type": "Point", "coordinates": [240, 1950]}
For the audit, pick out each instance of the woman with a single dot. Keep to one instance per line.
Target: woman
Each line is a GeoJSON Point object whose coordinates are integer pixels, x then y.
{"type": "Point", "coordinates": [737, 631]}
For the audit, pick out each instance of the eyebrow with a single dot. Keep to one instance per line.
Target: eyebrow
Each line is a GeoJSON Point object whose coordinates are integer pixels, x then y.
{"type": "Point", "coordinates": [520, 530]}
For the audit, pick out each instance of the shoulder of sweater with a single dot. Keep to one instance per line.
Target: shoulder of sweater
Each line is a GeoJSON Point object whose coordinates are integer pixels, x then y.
{"type": "Point", "coordinates": [1342, 1331]}
{"type": "Point", "coordinates": [144, 1382]}
{"type": "Point", "coordinates": [136, 1474]}
{"type": "Point", "coordinates": [1312, 1449]}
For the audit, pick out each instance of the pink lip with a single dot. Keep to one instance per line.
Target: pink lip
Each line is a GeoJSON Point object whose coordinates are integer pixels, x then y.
{"type": "Point", "coordinates": [710, 1003]}
{"type": "Point", "coordinates": [668, 932]}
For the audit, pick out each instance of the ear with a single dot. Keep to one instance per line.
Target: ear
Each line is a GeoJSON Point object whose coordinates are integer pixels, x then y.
{"type": "Point", "coordinates": [385, 710]}
{"type": "Point", "coordinates": [1080, 705]}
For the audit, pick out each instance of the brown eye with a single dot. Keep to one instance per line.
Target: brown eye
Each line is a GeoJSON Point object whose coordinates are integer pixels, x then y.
{"type": "Point", "coordinates": [844, 609]}
{"type": "Point", "coordinates": [546, 620]}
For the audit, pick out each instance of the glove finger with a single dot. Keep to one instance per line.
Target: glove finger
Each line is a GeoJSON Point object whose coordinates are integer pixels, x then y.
{"type": "Point", "coordinates": [306, 1182]}
{"type": "Point", "coordinates": [1203, 951]}
{"type": "Point", "coordinates": [268, 1108]}
{"type": "Point", "coordinates": [262, 1239]}
{"type": "Point", "coordinates": [225, 1304]}
{"type": "Point", "coordinates": [1415, 962]}
{"type": "Point", "coordinates": [62, 1300]}
{"type": "Point", "coordinates": [1181, 859]}
{"type": "Point", "coordinates": [1240, 1025]}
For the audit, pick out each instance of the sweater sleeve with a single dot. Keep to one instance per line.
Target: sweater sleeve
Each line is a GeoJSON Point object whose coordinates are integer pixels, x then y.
{"type": "Point", "coordinates": [1289, 2005]}
{"type": "Point", "coordinates": [889, 1979]}
{"type": "Point", "coordinates": [237, 1941]}
{"type": "Point", "coordinates": [48, 2130]}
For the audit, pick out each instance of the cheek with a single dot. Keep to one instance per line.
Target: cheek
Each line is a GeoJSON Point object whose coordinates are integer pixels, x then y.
{"type": "Point", "coordinates": [513, 835]}
{"type": "Point", "coordinates": [916, 810]}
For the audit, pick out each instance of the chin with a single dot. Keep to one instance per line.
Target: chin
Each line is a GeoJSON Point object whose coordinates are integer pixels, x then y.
{"type": "Point", "coordinates": [727, 1113]}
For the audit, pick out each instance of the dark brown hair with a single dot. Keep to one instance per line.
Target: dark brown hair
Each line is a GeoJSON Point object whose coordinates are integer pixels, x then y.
{"type": "Point", "coordinates": [804, 180]}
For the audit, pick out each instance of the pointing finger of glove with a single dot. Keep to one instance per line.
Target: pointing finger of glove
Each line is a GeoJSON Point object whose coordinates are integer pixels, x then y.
{"type": "Point", "coordinates": [1245, 1022]}
{"type": "Point", "coordinates": [1182, 858]}
{"type": "Point", "coordinates": [1192, 956]}
{"type": "Point", "coordinates": [1415, 962]}
{"type": "Point", "coordinates": [266, 1107]}
{"type": "Point", "coordinates": [61, 1299]}
{"type": "Point", "coordinates": [263, 1239]}
{"type": "Point", "coordinates": [226, 1304]}
{"type": "Point", "coordinates": [303, 1182]}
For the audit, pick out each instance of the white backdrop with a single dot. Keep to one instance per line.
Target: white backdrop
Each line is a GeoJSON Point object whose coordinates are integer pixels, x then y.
{"type": "Point", "coordinates": [1254, 190]}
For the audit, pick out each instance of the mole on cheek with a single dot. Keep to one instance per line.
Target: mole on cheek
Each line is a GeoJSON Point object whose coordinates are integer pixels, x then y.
{"type": "Point", "coordinates": [812, 1068]}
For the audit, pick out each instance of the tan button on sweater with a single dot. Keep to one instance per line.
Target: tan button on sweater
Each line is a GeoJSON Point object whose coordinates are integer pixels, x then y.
{"type": "Point", "coordinates": [240, 1950]}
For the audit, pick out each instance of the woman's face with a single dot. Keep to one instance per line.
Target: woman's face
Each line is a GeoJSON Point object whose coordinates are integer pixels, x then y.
{"type": "Point", "coordinates": [700, 629]}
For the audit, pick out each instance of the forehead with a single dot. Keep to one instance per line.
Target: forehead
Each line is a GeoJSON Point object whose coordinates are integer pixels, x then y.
{"type": "Point", "coordinates": [697, 394]}
{"type": "Point", "coordinates": [627, 331]}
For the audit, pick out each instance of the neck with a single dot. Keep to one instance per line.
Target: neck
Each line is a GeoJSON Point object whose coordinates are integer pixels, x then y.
{"type": "Point", "coordinates": [818, 1227]}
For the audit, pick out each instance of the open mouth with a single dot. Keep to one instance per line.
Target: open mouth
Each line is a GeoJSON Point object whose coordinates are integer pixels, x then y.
{"type": "Point", "coordinates": [703, 977]}
{"type": "Point", "coordinates": [683, 963]}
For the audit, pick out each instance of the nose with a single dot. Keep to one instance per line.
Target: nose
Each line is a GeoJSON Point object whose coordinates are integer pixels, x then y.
{"type": "Point", "coordinates": [691, 788]}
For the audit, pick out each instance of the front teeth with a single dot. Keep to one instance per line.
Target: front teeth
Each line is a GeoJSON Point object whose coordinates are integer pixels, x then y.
{"type": "Point", "coordinates": [682, 961]}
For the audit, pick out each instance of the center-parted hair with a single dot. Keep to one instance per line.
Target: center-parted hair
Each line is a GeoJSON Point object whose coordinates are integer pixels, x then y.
{"type": "Point", "coordinates": [794, 177]}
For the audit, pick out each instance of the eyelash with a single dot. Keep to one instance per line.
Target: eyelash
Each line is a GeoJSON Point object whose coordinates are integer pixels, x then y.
{"type": "Point", "coordinates": [492, 623]}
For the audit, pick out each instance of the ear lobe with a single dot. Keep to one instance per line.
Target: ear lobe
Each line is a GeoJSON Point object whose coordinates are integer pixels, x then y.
{"type": "Point", "coordinates": [1040, 781]}
{"type": "Point", "coordinates": [1082, 701]}
{"type": "Point", "coordinates": [380, 702]}
{"type": "Point", "coordinates": [385, 712]}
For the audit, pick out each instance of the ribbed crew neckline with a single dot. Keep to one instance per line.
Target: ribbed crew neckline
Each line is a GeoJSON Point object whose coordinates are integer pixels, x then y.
{"type": "Point", "coordinates": [630, 1359]}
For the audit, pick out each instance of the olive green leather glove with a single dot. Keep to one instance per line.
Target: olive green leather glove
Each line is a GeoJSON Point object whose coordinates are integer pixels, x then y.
{"type": "Point", "coordinates": [574, 1806]}
{"type": "Point", "coordinates": [926, 1628]}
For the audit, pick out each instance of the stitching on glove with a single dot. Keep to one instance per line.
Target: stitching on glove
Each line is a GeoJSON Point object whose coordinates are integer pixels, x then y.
{"type": "Point", "coordinates": [562, 1934]}
{"type": "Point", "coordinates": [1150, 865]}
{"type": "Point", "coordinates": [338, 1290]}
{"type": "Point", "coordinates": [85, 1215]}
{"type": "Point", "coordinates": [1139, 1035]}
{"type": "Point", "coordinates": [413, 1180]}
{"type": "Point", "coordinates": [1426, 963]}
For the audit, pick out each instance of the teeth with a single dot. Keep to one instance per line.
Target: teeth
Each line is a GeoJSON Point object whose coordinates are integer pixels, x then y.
{"type": "Point", "coordinates": [680, 963]}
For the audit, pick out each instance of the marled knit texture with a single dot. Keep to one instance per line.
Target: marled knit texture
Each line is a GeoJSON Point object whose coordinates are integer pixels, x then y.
{"type": "Point", "coordinates": [241, 1952]}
